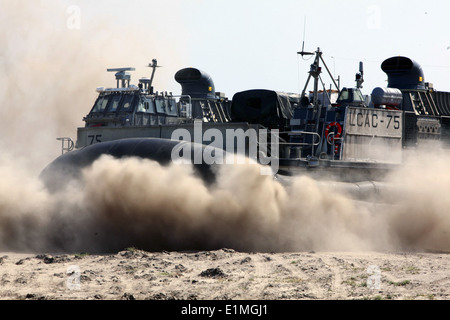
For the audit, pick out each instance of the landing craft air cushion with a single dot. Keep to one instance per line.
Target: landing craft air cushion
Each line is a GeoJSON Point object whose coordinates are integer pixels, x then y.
{"type": "Point", "coordinates": [337, 134]}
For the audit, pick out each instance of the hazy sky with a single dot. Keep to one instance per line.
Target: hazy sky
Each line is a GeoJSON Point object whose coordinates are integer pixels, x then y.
{"type": "Point", "coordinates": [242, 44]}
{"type": "Point", "coordinates": [247, 44]}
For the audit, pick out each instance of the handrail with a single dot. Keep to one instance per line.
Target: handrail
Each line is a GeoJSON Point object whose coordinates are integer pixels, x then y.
{"type": "Point", "coordinates": [313, 144]}
{"type": "Point", "coordinates": [299, 133]}
{"type": "Point", "coordinates": [70, 144]}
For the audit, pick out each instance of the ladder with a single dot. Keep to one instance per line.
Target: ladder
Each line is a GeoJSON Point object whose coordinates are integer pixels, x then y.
{"type": "Point", "coordinates": [213, 111]}
{"type": "Point", "coordinates": [423, 103]}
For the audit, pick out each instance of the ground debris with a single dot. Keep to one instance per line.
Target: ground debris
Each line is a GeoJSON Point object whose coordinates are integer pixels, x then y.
{"type": "Point", "coordinates": [213, 273]}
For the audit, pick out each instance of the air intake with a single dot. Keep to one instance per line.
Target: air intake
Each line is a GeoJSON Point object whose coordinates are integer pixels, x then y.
{"type": "Point", "coordinates": [195, 83]}
{"type": "Point", "coordinates": [403, 73]}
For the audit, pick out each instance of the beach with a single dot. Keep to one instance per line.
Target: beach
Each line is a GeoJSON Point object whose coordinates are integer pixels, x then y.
{"type": "Point", "coordinates": [225, 274]}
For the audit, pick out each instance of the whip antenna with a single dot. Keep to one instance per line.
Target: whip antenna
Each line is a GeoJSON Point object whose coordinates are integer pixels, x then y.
{"type": "Point", "coordinates": [303, 53]}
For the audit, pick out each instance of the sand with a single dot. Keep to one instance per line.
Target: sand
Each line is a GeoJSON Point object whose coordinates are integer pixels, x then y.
{"type": "Point", "coordinates": [225, 274]}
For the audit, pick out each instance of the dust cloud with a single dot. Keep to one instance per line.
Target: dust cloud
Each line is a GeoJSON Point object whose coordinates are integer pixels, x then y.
{"type": "Point", "coordinates": [55, 53]}
{"type": "Point", "coordinates": [47, 76]}
{"type": "Point", "coordinates": [136, 202]}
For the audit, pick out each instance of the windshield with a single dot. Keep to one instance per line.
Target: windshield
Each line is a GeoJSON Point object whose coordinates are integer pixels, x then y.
{"type": "Point", "coordinates": [146, 105]}
{"type": "Point", "coordinates": [350, 95]}
{"type": "Point", "coordinates": [172, 108]}
{"type": "Point", "coordinates": [114, 103]}
{"type": "Point", "coordinates": [160, 105]}
{"type": "Point", "coordinates": [344, 96]}
{"type": "Point", "coordinates": [101, 103]}
{"type": "Point", "coordinates": [127, 103]}
{"type": "Point", "coordinates": [357, 95]}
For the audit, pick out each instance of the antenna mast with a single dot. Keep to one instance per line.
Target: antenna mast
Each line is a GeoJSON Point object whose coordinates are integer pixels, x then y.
{"type": "Point", "coordinates": [359, 78]}
{"type": "Point", "coordinates": [153, 65]}
{"type": "Point", "coordinates": [315, 71]}
{"type": "Point", "coordinates": [303, 53]}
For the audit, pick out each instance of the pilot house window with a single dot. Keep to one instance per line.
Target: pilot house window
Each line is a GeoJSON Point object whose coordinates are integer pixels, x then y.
{"type": "Point", "coordinates": [114, 103]}
{"type": "Point", "coordinates": [101, 103]}
{"type": "Point", "coordinates": [172, 107]}
{"type": "Point", "coordinates": [160, 105]}
{"type": "Point", "coordinates": [127, 103]}
{"type": "Point", "coordinates": [344, 96]}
